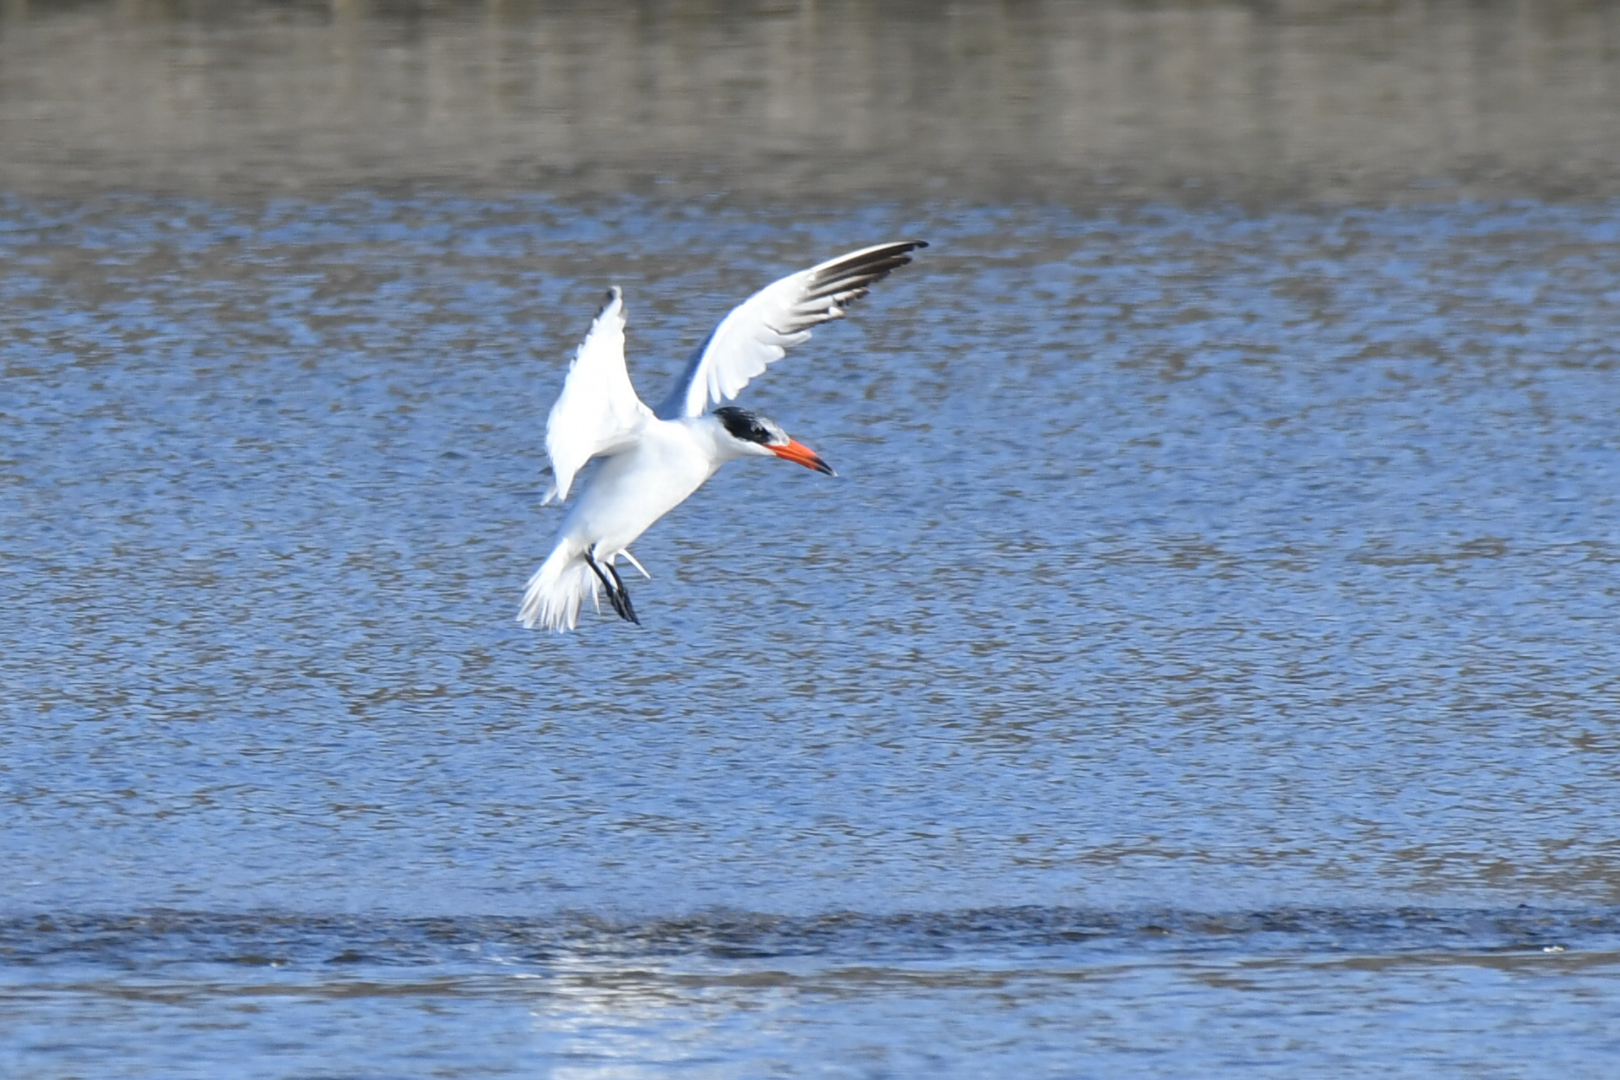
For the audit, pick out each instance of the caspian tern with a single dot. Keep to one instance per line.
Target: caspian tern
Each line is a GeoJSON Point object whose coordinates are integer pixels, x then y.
{"type": "Point", "coordinates": [655, 460]}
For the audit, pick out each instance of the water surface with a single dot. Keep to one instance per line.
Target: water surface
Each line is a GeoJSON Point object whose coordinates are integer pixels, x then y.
{"type": "Point", "coordinates": [815, 100]}
{"type": "Point", "coordinates": [1196, 581]}
{"type": "Point", "coordinates": [1202, 666]}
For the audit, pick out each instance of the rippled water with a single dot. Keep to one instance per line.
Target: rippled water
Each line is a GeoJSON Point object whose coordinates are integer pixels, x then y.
{"type": "Point", "coordinates": [1202, 666]}
{"type": "Point", "coordinates": [1203, 663]}
{"type": "Point", "coordinates": [1032, 992]}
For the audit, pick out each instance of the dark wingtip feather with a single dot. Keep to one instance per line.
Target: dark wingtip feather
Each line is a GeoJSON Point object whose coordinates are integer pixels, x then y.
{"type": "Point", "coordinates": [865, 269]}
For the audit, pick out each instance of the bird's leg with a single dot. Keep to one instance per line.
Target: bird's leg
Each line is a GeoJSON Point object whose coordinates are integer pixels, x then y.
{"type": "Point", "coordinates": [624, 594]}
{"type": "Point", "coordinates": [615, 590]}
{"type": "Point", "coordinates": [613, 596]}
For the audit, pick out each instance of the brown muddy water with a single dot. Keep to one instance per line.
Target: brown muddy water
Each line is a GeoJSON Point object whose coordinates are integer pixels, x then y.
{"type": "Point", "coordinates": [1066, 101]}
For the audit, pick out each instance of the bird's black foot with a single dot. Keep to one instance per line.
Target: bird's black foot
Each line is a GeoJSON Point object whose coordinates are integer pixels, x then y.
{"type": "Point", "coordinates": [626, 611]}
{"type": "Point", "coordinates": [618, 596]}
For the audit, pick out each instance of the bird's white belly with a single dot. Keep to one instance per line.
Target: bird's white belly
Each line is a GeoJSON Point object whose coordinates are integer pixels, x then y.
{"type": "Point", "coordinates": [636, 488]}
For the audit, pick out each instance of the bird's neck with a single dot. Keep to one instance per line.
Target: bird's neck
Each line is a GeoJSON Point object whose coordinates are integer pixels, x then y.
{"type": "Point", "coordinates": [710, 433]}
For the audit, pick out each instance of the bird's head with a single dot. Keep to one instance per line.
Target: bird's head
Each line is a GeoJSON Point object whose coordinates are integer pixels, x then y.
{"type": "Point", "coordinates": [750, 433]}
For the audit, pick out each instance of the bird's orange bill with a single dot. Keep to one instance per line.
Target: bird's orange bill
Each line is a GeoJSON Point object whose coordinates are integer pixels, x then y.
{"type": "Point", "coordinates": [796, 451]}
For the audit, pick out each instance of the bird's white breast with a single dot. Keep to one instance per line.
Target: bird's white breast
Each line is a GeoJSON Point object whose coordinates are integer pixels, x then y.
{"type": "Point", "coordinates": [637, 487]}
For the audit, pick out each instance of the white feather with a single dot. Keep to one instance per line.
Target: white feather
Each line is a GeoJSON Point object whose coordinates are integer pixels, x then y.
{"type": "Point", "coordinates": [634, 563]}
{"type": "Point", "coordinates": [653, 463]}
{"type": "Point", "coordinates": [598, 412]}
{"type": "Point", "coordinates": [759, 331]}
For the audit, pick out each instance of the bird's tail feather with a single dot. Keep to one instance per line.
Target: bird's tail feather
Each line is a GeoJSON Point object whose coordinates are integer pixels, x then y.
{"type": "Point", "coordinates": [557, 590]}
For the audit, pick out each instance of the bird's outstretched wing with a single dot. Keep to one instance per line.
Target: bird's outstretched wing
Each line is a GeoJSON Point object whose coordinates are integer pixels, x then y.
{"type": "Point", "coordinates": [758, 332]}
{"type": "Point", "coordinates": [598, 411]}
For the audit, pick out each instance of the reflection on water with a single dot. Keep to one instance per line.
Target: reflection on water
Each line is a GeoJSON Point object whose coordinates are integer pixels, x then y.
{"type": "Point", "coordinates": [1078, 102]}
{"type": "Point", "coordinates": [1018, 992]}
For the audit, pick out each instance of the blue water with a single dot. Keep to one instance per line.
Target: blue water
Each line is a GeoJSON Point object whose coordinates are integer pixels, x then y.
{"type": "Point", "coordinates": [1203, 665]}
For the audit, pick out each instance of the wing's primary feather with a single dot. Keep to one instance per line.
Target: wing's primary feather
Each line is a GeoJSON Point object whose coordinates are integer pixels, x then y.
{"type": "Point", "coordinates": [598, 411]}
{"type": "Point", "coordinates": [759, 331]}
